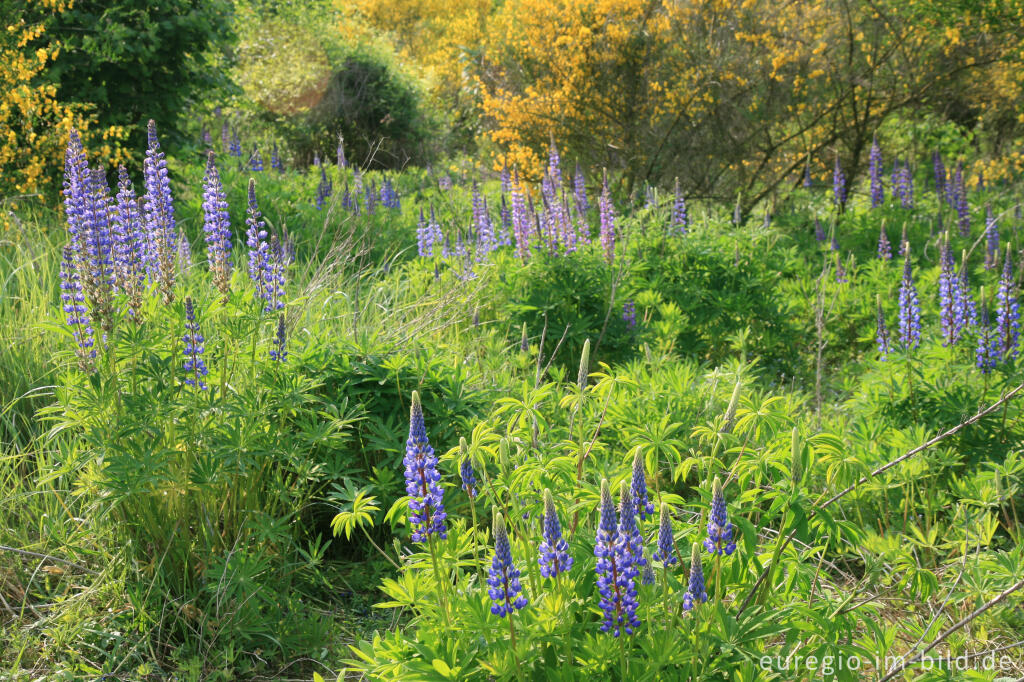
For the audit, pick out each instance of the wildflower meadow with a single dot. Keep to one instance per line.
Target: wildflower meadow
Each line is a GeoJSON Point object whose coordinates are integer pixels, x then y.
{"type": "Point", "coordinates": [347, 363]}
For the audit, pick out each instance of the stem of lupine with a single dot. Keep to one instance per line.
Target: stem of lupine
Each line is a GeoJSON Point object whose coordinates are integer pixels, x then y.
{"type": "Point", "coordinates": [442, 589]}
{"type": "Point", "coordinates": [476, 549]}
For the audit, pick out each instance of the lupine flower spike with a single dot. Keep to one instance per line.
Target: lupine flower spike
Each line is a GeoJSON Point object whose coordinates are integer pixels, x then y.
{"type": "Point", "coordinates": [426, 505]}
{"type": "Point", "coordinates": [503, 576]}
{"type": "Point", "coordinates": [159, 213]}
{"type": "Point", "coordinates": [607, 215]}
{"type": "Point", "coordinates": [195, 368]}
{"type": "Point", "coordinates": [217, 226]}
{"type": "Point", "coordinates": [467, 475]}
{"type": "Point", "coordinates": [910, 308]}
{"type": "Point", "coordinates": [875, 173]}
{"type": "Point", "coordinates": [279, 352]}
{"type": "Point", "coordinates": [644, 507]}
{"type": "Point", "coordinates": [695, 591]}
{"type": "Point", "coordinates": [628, 530]}
{"type": "Point", "coordinates": [554, 550]}
{"type": "Point", "coordinates": [1007, 313]}
{"type": "Point", "coordinates": [666, 552]}
{"type": "Point", "coordinates": [615, 573]}
{"type": "Point", "coordinates": [987, 351]}
{"type": "Point", "coordinates": [838, 184]}
{"type": "Point", "coordinates": [881, 333]}
{"type": "Point", "coordinates": [720, 531]}
{"type": "Point", "coordinates": [884, 247]}
{"type": "Point", "coordinates": [951, 311]}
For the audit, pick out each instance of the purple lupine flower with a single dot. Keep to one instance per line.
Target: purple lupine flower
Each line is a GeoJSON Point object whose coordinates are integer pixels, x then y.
{"type": "Point", "coordinates": [554, 166]}
{"type": "Point", "coordinates": [279, 350]}
{"type": "Point", "coordinates": [129, 269]}
{"type": "Point", "coordinates": [506, 183]}
{"type": "Point", "coordinates": [963, 211]}
{"type": "Point", "coordinates": [906, 186]}
{"type": "Point", "coordinates": [255, 160]}
{"type": "Point", "coordinates": [695, 591]}
{"type": "Point", "coordinates": [939, 169]}
{"type": "Point", "coordinates": [235, 148]}
{"type": "Point", "coordinates": [371, 198]}
{"type": "Point", "coordinates": [884, 247]}
{"type": "Point", "coordinates": [579, 190]}
{"type": "Point", "coordinates": [424, 247]}
{"type": "Point", "coordinates": [991, 239]}
{"type": "Point", "coordinates": [554, 550]}
{"type": "Point", "coordinates": [481, 223]}
{"type": "Point", "coordinates": [342, 161]}
{"type": "Point", "coordinates": [720, 531]}
{"type": "Point", "coordinates": [951, 312]}
{"type": "Point", "coordinates": [838, 184]}
{"type": "Point", "coordinates": [97, 248]}
{"type": "Point", "coordinates": [607, 213]}
{"type": "Point", "coordinates": [628, 530]}
{"type": "Point", "coordinates": [77, 315]}
{"type": "Point", "coordinates": [159, 213]}
{"type": "Point", "coordinates": [966, 307]}
{"type": "Point", "coordinates": [426, 504]}
{"type": "Point", "coordinates": [468, 476]}
{"type": "Point", "coordinates": [1007, 313]}
{"type": "Point", "coordinates": [666, 552]}
{"type": "Point", "coordinates": [184, 256]}
{"type": "Point", "coordinates": [520, 219]}
{"type": "Point", "coordinates": [503, 576]}
{"type": "Point", "coordinates": [882, 333]}
{"type": "Point", "coordinates": [834, 244]}
{"type": "Point", "coordinates": [261, 270]}
{"type": "Point", "coordinates": [819, 231]}
{"type": "Point", "coordinates": [194, 367]}
{"type": "Point", "coordinates": [629, 314]}
{"type": "Point", "coordinates": [275, 285]}
{"type": "Point", "coordinates": [987, 351]}
{"type": "Point", "coordinates": [910, 308]}
{"type": "Point", "coordinates": [505, 232]}
{"type": "Point", "coordinates": [680, 220]}
{"type": "Point", "coordinates": [388, 195]}
{"type": "Point", "coordinates": [875, 173]}
{"type": "Point", "coordinates": [644, 507]}
{"type": "Point", "coordinates": [615, 572]}
{"type": "Point", "coordinates": [217, 227]}
{"type": "Point", "coordinates": [275, 159]}
{"type": "Point", "coordinates": [324, 189]}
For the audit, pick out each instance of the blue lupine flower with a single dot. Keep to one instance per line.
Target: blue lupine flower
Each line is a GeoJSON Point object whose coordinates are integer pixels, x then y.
{"type": "Point", "coordinates": [951, 312]}
{"type": "Point", "coordinates": [255, 160]}
{"type": "Point", "coordinates": [607, 215]}
{"type": "Point", "coordinates": [841, 277]}
{"type": "Point", "coordinates": [903, 184]}
{"type": "Point", "coordinates": [965, 305]}
{"type": "Point", "coordinates": [77, 315]}
{"type": "Point", "coordinates": [628, 529]}
{"type": "Point", "coordinates": [195, 368]}
{"type": "Point", "coordinates": [838, 184]}
{"type": "Point", "coordinates": [159, 213]}
{"type": "Point", "coordinates": [615, 573]}
{"type": "Point", "coordinates": [505, 232]}
{"type": "Point", "coordinates": [666, 552]}
{"type": "Point", "coordinates": [235, 148]}
{"type": "Point", "coordinates": [279, 351]}
{"type": "Point", "coordinates": [910, 308]}
{"type": "Point", "coordinates": [579, 190]}
{"type": "Point", "coordinates": [263, 271]}
{"type": "Point", "coordinates": [217, 226]}
{"type": "Point", "coordinates": [875, 173]}
{"type": "Point", "coordinates": [503, 576]}
{"type": "Point", "coordinates": [819, 231]}
{"type": "Point", "coordinates": [1007, 313]}
{"type": "Point", "coordinates": [468, 476]}
{"type": "Point", "coordinates": [129, 240]}
{"type": "Point", "coordinates": [324, 189]}
{"type": "Point", "coordinates": [720, 531]}
{"type": "Point", "coordinates": [987, 351]}
{"type": "Point", "coordinates": [426, 500]}
{"type": "Point", "coordinates": [629, 314]}
{"type": "Point", "coordinates": [647, 575]}
{"type": "Point", "coordinates": [695, 592]}
{"type": "Point", "coordinates": [991, 239]}
{"type": "Point", "coordinates": [884, 247]}
{"type": "Point", "coordinates": [275, 159]}
{"type": "Point", "coordinates": [680, 219]}
{"type": "Point", "coordinates": [882, 334]}
{"type": "Point", "coordinates": [520, 219]}
{"type": "Point", "coordinates": [939, 170]}
{"type": "Point", "coordinates": [554, 550]}
{"type": "Point", "coordinates": [644, 507]}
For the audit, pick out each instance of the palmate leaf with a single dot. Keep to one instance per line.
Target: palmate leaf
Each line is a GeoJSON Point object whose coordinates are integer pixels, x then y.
{"type": "Point", "coordinates": [360, 514]}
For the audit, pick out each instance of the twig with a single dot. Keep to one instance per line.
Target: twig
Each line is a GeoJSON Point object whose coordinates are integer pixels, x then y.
{"type": "Point", "coordinates": [48, 557]}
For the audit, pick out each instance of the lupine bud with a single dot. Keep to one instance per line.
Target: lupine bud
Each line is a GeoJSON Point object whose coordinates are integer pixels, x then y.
{"type": "Point", "coordinates": [279, 352]}
{"type": "Point", "coordinates": [695, 592]}
{"type": "Point", "coordinates": [638, 488]}
{"type": "Point", "coordinates": [426, 504]}
{"type": "Point", "coordinates": [584, 372]}
{"type": "Point", "coordinates": [195, 368]}
{"type": "Point", "coordinates": [616, 576]}
{"type": "Point", "coordinates": [554, 550]}
{"type": "Point", "coordinates": [503, 576]}
{"type": "Point", "coordinates": [466, 472]}
{"type": "Point", "coordinates": [666, 552]}
{"type": "Point", "coordinates": [910, 308]}
{"type": "Point", "coordinates": [730, 411]}
{"type": "Point", "coordinates": [796, 462]}
{"type": "Point", "coordinates": [720, 531]}
{"type": "Point", "coordinates": [524, 344]}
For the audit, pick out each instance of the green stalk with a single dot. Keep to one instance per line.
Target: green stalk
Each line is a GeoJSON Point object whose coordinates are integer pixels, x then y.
{"type": "Point", "coordinates": [441, 583]}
